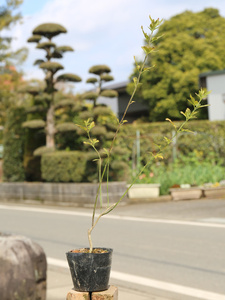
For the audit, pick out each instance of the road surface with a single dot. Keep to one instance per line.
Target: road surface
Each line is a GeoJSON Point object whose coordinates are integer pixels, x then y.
{"type": "Point", "coordinates": [173, 250]}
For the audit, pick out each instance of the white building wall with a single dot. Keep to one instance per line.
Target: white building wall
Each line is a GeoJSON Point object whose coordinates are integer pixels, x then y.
{"type": "Point", "coordinates": [216, 99]}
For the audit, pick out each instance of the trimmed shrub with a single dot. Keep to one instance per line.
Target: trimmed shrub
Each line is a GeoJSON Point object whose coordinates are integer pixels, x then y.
{"type": "Point", "coordinates": [63, 166]}
{"type": "Point", "coordinates": [13, 142]}
{"type": "Point", "coordinates": [109, 93]}
{"type": "Point", "coordinates": [32, 164]}
{"type": "Point", "coordinates": [119, 171]}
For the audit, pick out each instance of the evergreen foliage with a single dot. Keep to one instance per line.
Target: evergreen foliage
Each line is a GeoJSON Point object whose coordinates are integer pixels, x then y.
{"type": "Point", "coordinates": [8, 18]}
{"type": "Point", "coordinates": [109, 94]}
{"type": "Point", "coordinates": [34, 124]}
{"type": "Point", "coordinates": [49, 30]}
{"type": "Point", "coordinates": [69, 77]}
{"type": "Point", "coordinates": [34, 39]}
{"type": "Point", "coordinates": [66, 126]}
{"type": "Point", "coordinates": [34, 138]}
{"type": "Point", "coordinates": [190, 43]}
{"type": "Point", "coordinates": [13, 142]}
{"type": "Point", "coordinates": [99, 69]}
{"type": "Point", "coordinates": [47, 99]}
{"type": "Point", "coordinates": [64, 166]}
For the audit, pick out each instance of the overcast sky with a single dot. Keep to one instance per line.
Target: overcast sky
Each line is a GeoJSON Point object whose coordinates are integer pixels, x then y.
{"type": "Point", "coordinates": [100, 31]}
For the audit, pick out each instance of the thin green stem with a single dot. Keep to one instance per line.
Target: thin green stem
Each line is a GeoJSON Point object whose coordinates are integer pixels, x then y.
{"type": "Point", "coordinates": [188, 114]}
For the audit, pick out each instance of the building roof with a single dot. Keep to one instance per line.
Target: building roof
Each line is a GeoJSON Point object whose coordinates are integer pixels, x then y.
{"type": "Point", "coordinates": [212, 73]}
{"type": "Point", "coordinates": [119, 86]}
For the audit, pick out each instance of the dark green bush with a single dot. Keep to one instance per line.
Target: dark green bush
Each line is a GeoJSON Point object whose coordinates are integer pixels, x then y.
{"type": "Point", "coordinates": [32, 164]}
{"type": "Point", "coordinates": [64, 166]}
{"type": "Point", "coordinates": [13, 142]}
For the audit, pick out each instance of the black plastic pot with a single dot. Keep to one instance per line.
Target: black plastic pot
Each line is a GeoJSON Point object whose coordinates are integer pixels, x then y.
{"type": "Point", "coordinates": [90, 271]}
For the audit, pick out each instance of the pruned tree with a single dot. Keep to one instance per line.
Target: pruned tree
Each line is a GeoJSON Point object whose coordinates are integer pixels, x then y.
{"type": "Point", "coordinates": [46, 98]}
{"type": "Point", "coordinates": [102, 75]}
{"type": "Point", "coordinates": [105, 123]}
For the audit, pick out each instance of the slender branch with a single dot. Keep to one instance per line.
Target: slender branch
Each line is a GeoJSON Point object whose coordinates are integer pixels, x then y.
{"type": "Point", "coordinates": [188, 114]}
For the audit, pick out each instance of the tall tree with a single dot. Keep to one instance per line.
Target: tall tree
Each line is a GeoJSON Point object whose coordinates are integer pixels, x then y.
{"type": "Point", "coordinates": [46, 98]}
{"type": "Point", "coordinates": [10, 79]}
{"type": "Point", "coordinates": [9, 16]}
{"type": "Point", "coordinates": [191, 43]}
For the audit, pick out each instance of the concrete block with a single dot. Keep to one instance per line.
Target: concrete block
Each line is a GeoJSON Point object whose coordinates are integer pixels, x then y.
{"type": "Point", "coordinates": [186, 193]}
{"type": "Point", "coordinates": [110, 294]}
{"type": "Point", "coordinates": [214, 192]}
{"type": "Point", "coordinates": [74, 295]}
{"type": "Point", "coordinates": [144, 191]}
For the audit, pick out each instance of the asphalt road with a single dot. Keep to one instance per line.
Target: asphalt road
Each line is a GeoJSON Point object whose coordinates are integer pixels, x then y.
{"type": "Point", "coordinates": [173, 249]}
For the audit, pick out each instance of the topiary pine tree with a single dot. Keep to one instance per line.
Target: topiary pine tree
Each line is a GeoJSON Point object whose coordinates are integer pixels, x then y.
{"type": "Point", "coordinates": [105, 123]}
{"type": "Point", "coordinates": [50, 68]}
{"type": "Point", "coordinates": [98, 112]}
{"type": "Point", "coordinates": [102, 76]}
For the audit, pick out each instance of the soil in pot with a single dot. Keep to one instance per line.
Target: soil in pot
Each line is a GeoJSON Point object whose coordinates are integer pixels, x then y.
{"type": "Point", "coordinates": [90, 271]}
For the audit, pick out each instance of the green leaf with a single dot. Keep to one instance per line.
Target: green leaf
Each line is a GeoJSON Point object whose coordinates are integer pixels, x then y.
{"type": "Point", "coordinates": [135, 80]}
{"type": "Point", "coordinates": [158, 146]}
{"type": "Point", "coordinates": [167, 119]}
{"type": "Point", "coordinates": [136, 63]}
{"type": "Point", "coordinates": [95, 141]}
{"type": "Point", "coordinates": [106, 151]}
{"type": "Point", "coordinates": [168, 141]}
{"type": "Point", "coordinates": [155, 38]}
{"type": "Point", "coordinates": [187, 130]}
{"type": "Point", "coordinates": [148, 69]}
{"type": "Point", "coordinates": [154, 24]}
{"type": "Point", "coordinates": [158, 155]}
{"type": "Point", "coordinates": [145, 35]}
{"type": "Point", "coordinates": [187, 113]}
{"type": "Point", "coordinates": [148, 49]}
{"type": "Point", "coordinates": [193, 101]}
{"type": "Point", "coordinates": [205, 105]}
{"type": "Point", "coordinates": [82, 127]}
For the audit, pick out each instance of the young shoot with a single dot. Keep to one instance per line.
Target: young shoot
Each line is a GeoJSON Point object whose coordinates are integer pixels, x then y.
{"type": "Point", "coordinates": [148, 48]}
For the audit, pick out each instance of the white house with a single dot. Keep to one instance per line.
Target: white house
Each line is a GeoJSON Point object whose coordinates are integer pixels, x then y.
{"type": "Point", "coordinates": [215, 82]}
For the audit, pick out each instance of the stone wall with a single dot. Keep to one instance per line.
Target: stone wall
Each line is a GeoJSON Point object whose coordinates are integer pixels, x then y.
{"type": "Point", "coordinates": [72, 193]}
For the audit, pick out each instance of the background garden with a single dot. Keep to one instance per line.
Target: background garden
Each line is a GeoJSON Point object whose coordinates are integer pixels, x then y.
{"type": "Point", "coordinates": [41, 138]}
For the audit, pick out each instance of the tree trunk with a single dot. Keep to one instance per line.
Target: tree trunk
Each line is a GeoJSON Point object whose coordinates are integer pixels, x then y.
{"type": "Point", "coordinates": [50, 128]}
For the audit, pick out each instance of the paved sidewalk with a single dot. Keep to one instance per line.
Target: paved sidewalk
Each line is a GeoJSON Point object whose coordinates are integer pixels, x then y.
{"type": "Point", "coordinates": [59, 283]}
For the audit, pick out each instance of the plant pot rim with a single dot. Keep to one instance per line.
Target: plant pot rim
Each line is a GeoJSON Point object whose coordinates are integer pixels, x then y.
{"type": "Point", "coordinates": [192, 188]}
{"type": "Point", "coordinates": [141, 185]}
{"type": "Point", "coordinates": [214, 187]}
{"type": "Point", "coordinates": [109, 250]}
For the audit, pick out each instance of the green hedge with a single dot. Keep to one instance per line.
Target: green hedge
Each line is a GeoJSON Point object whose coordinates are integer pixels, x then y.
{"type": "Point", "coordinates": [34, 138]}
{"type": "Point", "coordinates": [64, 166]}
{"type": "Point", "coordinates": [208, 137]}
{"type": "Point", "coordinates": [13, 142]}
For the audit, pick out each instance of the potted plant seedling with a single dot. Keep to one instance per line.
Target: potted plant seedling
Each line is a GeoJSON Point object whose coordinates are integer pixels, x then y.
{"type": "Point", "coordinates": [90, 267]}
